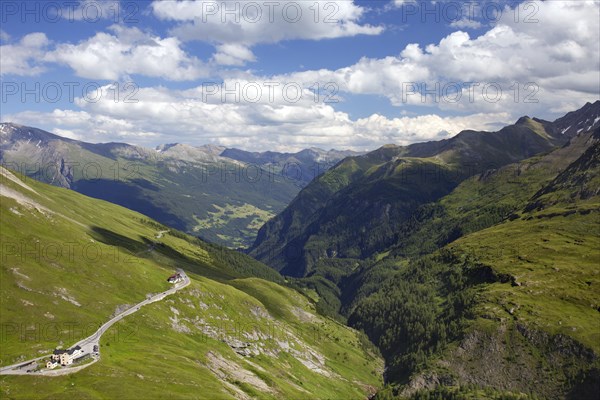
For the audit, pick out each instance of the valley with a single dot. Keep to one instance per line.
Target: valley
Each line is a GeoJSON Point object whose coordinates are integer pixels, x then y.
{"type": "Point", "coordinates": [299, 200]}
{"type": "Point", "coordinates": [472, 271]}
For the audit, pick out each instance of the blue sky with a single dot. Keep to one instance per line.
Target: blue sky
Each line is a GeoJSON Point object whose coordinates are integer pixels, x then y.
{"type": "Point", "coordinates": [482, 64]}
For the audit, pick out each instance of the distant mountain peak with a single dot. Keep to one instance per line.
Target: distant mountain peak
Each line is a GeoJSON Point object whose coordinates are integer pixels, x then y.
{"type": "Point", "coordinates": [575, 122]}
{"type": "Point", "coordinates": [10, 132]}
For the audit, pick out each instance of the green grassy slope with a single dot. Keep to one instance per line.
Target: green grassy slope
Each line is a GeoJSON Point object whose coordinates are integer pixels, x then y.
{"type": "Point", "coordinates": [68, 263]}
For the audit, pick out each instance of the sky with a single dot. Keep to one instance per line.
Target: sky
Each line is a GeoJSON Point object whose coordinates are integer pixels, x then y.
{"type": "Point", "coordinates": [287, 75]}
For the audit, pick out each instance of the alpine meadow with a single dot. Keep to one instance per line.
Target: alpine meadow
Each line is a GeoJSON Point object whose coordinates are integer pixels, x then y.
{"type": "Point", "coordinates": [328, 199]}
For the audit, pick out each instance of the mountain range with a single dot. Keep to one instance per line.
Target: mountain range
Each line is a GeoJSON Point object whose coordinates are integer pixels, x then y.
{"type": "Point", "coordinates": [472, 263]}
{"type": "Point", "coordinates": [222, 195]}
{"type": "Point", "coordinates": [387, 186]}
{"type": "Point", "coordinates": [467, 268]}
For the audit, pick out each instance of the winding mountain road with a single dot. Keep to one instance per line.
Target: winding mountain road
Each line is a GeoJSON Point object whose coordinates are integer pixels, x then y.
{"type": "Point", "coordinates": [87, 344]}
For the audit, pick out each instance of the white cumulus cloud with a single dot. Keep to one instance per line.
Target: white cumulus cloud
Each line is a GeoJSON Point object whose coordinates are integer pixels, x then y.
{"type": "Point", "coordinates": [234, 22]}
{"type": "Point", "coordinates": [23, 58]}
{"type": "Point", "coordinates": [128, 51]}
{"type": "Point", "coordinates": [233, 54]}
{"type": "Point", "coordinates": [164, 116]}
{"type": "Point", "coordinates": [537, 66]}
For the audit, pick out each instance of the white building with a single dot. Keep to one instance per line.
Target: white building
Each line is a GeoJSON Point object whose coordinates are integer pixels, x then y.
{"type": "Point", "coordinates": [175, 278]}
{"type": "Point", "coordinates": [64, 357]}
